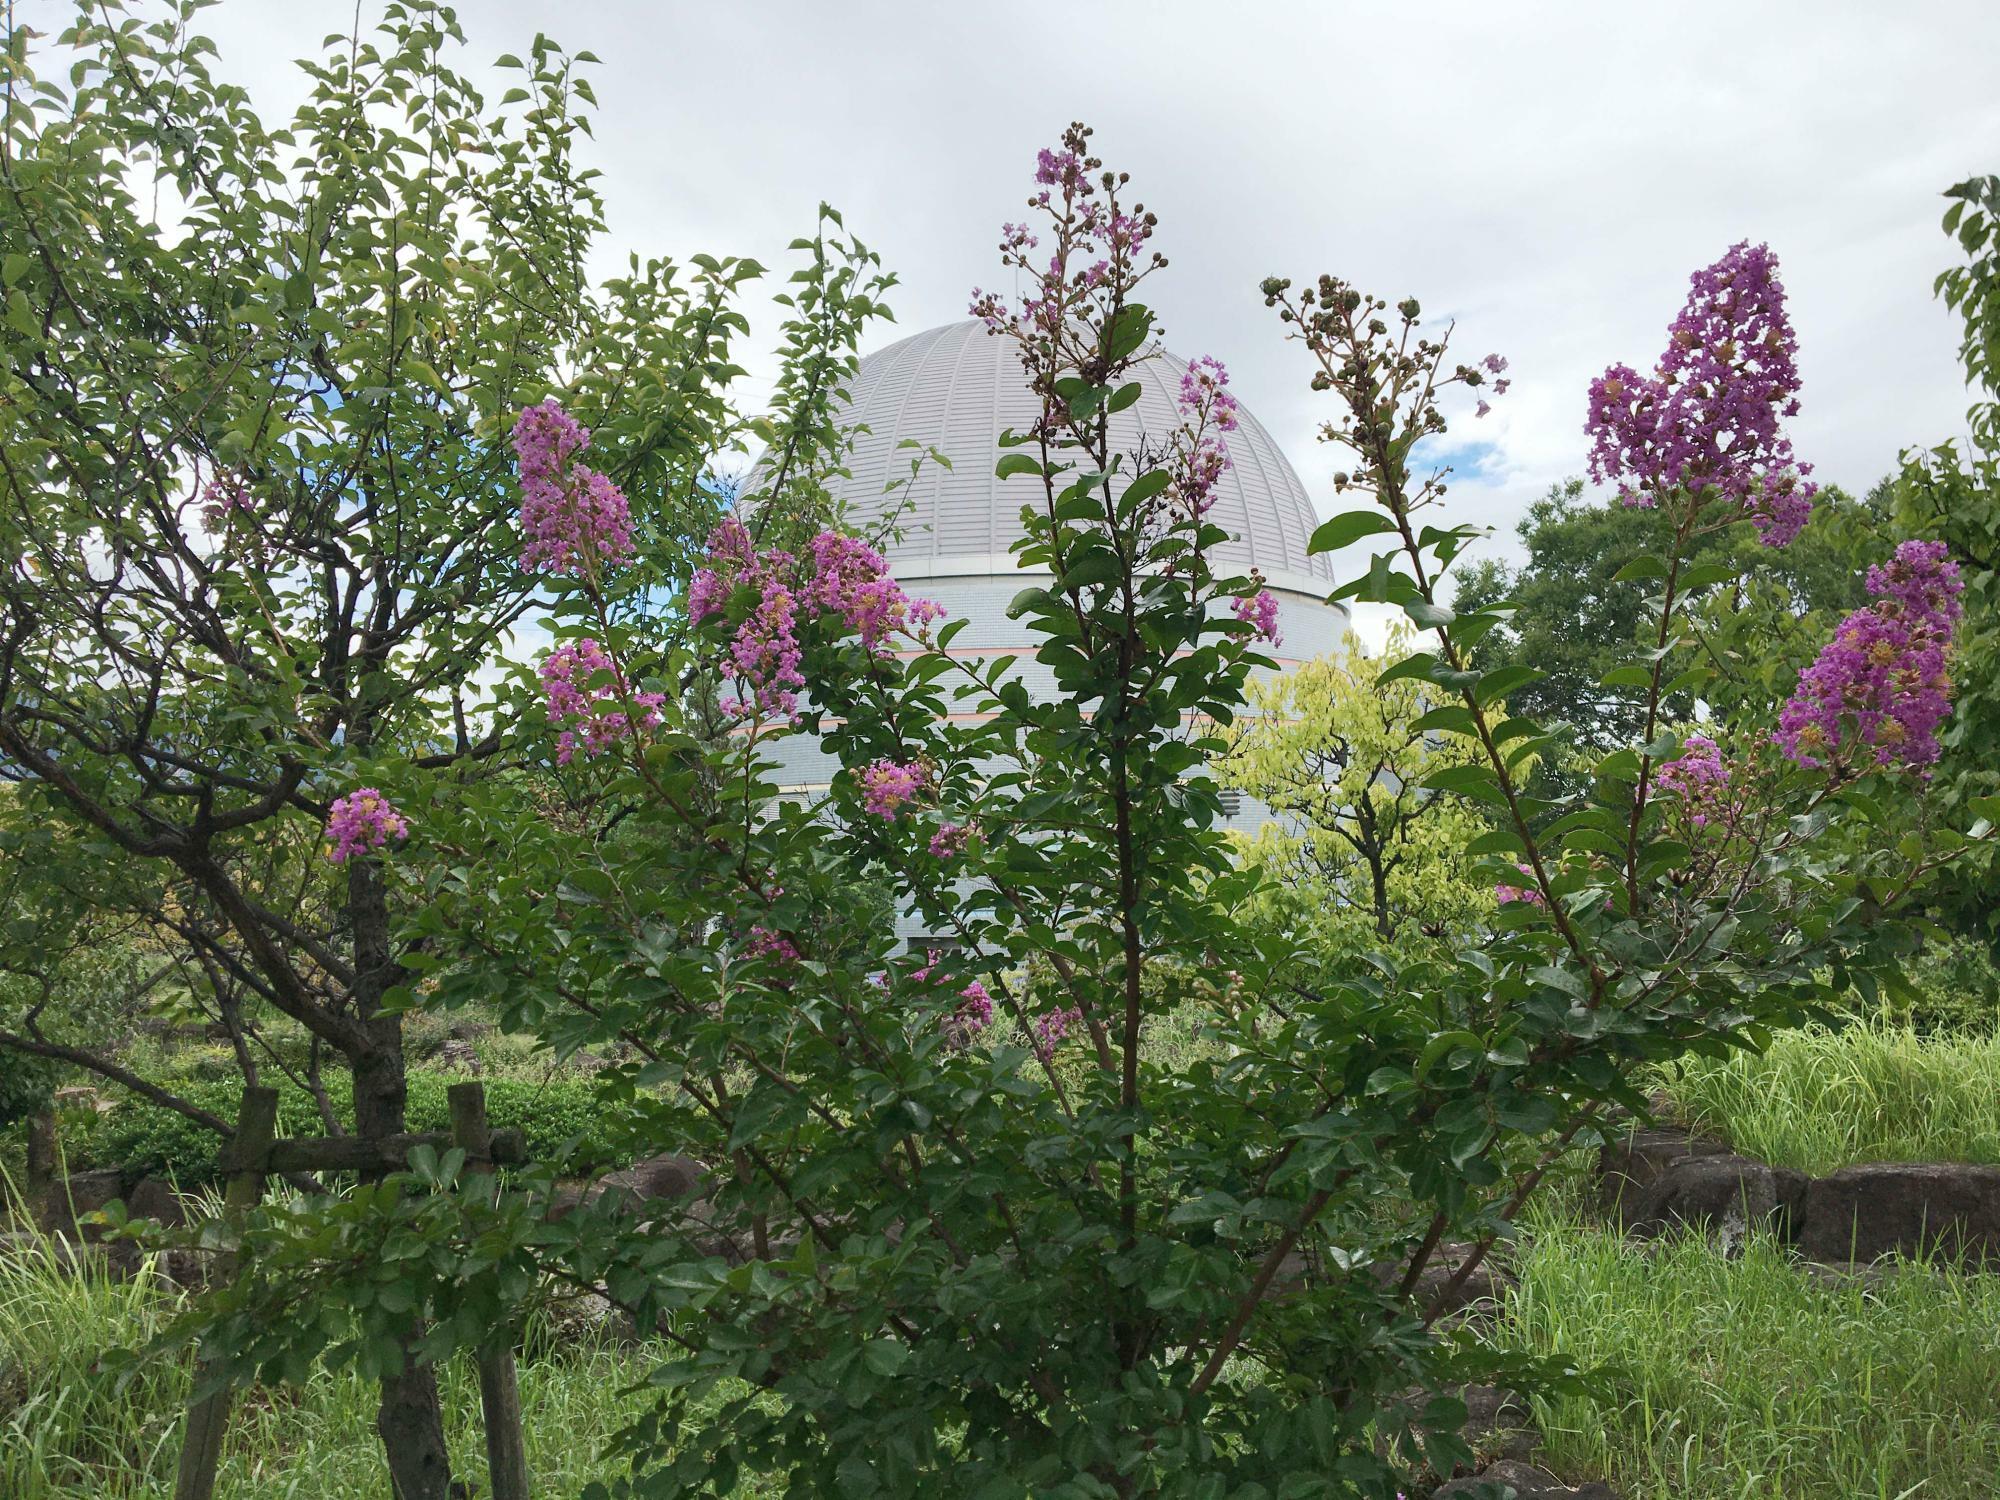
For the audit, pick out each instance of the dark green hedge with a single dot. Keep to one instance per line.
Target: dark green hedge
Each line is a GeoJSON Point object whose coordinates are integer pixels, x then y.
{"type": "Point", "coordinates": [158, 1142]}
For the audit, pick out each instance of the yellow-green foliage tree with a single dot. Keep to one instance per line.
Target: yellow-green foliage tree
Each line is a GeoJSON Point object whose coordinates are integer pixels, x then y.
{"type": "Point", "coordinates": [1370, 853]}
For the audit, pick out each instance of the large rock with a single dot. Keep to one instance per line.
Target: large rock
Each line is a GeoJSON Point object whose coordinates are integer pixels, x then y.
{"type": "Point", "coordinates": [657, 1179]}
{"type": "Point", "coordinates": [1726, 1196]}
{"type": "Point", "coordinates": [1630, 1163]}
{"type": "Point", "coordinates": [68, 1199]}
{"type": "Point", "coordinates": [1521, 1481]}
{"type": "Point", "coordinates": [154, 1198]}
{"type": "Point", "coordinates": [1903, 1208]}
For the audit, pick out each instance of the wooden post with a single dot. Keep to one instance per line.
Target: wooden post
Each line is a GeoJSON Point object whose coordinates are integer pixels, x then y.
{"type": "Point", "coordinates": [42, 1155]}
{"type": "Point", "coordinates": [245, 1155]}
{"type": "Point", "coordinates": [499, 1393]}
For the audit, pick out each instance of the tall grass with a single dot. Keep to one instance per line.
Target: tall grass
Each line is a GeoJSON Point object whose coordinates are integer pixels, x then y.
{"type": "Point", "coordinates": [1746, 1378]}
{"type": "Point", "coordinates": [70, 1432]}
{"type": "Point", "coordinates": [1820, 1100]}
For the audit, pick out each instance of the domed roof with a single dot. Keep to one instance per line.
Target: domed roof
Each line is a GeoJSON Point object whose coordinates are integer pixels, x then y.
{"type": "Point", "coordinates": [957, 388]}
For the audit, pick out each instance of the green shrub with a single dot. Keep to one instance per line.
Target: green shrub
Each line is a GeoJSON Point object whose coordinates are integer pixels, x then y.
{"type": "Point", "coordinates": [561, 1119]}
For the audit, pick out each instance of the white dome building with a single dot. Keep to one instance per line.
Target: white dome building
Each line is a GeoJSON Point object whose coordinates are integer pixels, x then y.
{"type": "Point", "coordinates": [957, 389]}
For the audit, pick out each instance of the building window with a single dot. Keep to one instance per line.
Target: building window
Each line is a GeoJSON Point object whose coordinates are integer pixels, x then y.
{"type": "Point", "coordinates": [937, 943]}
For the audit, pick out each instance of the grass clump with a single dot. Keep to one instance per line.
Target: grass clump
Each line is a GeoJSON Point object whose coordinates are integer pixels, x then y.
{"type": "Point", "coordinates": [1820, 1100]}
{"type": "Point", "coordinates": [1726, 1379]}
{"type": "Point", "coordinates": [70, 1432]}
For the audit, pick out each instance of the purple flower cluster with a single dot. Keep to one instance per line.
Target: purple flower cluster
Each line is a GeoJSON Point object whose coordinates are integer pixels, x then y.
{"type": "Point", "coordinates": [362, 821]}
{"type": "Point", "coordinates": [850, 579]}
{"type": "Point", "coordinates": [1708, 420]}
{"type": "Point", "coordinates": [1882, 680]}
{"type": "Point", "coordinates": [950, 840]}
{"type": "Point", "coordinates": [226, 494]}
{"type": "Point", "coordinates": [764, 652]}
{"type": "Point", "coordinates": [764, 943]}
{"type": "Point", "coordinates": [586, 695]}
{"type": "Point", "coordinates": [847, 578]}
{"type": "Point", "coordinates": [887, 786]}
{"type": "Point", "coordinates": [973, 1014]}
{"type": "Point", "coordinates": [1096, 245]}
{"type": "Point", "coordinates": [1208, 412]}
{"type": "Point", "coordinates": [1052, 1028]}
{"type": "Point", "coordinates": [574, 520]}
{"type": "Point", "coordinates": [1260, 612]}
{"type": "Point", "coordinates": [1699, 779]}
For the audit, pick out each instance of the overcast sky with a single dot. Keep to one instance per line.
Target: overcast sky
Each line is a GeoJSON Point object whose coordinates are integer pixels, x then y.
{"type": "Point", "coordinates": [1547, 174]}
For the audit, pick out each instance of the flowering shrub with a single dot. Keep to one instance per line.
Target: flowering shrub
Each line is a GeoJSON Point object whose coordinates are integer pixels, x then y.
{"type": "Point", "coordinates": [965, 1232]}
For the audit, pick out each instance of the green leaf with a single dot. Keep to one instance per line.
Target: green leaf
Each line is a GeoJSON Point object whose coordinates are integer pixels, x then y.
{"type": "Point", "coordinates": [1347, 528]}
{"type": "Point", "coordinates": [1645, 565]}
{"type": "Point", "coordinates": [1017, 463]}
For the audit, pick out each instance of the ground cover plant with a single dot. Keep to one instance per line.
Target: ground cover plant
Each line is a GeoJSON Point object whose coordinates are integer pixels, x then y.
{"type": "Point", "coordinates": [1821, 1099]}
{"type": "Point", "coordinates": [965, 1225]}
{"type": "Point", "coordinates": [72, 1430]}
{"type": "Point", "coordinates": [1723, 1378]}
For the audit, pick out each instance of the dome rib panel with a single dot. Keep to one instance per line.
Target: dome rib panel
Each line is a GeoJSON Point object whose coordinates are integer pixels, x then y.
{"type": "Point", "coordinates": [957, 388]}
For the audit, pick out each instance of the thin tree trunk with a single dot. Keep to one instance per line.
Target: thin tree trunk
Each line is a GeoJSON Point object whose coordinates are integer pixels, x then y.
{"type": "Point", "coordinates": [409, 1420]}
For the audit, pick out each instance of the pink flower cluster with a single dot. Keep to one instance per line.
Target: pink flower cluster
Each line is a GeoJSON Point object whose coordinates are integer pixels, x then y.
{"type": "Point", "coordinates": [1709, 417]}
{"type": "Point", "coordinates": [973, 1014]}
{"type": "Point", "coordinates": [1260, 612]}
{"type": "Point", "coordinates": [1699, 779]}
{"type": "Point", "coordinates": [1529, 893]}
{"type": "Point", "coordinates": [573, 519]}
{"type": "Point", "coordinates": [226, 494]}
{"type": "Point", "coordinates": [1493, 364]}
{"type": "Point", "coordinates": [950, 840]}
{"type": "Point", "coordinates": [362, 821]}
{"type": "Point", "coordinates": [1882, 680]}
{"type": "Point", "coordinates": [887, 786]}
{"type": "Point", "coordinates": [850, 579]}
{"type": "Point", "coordinates": [847, 579]}
{"type": "Point", "coordinates": [764, 653]}
{"type": "Point", "coordinates": [1208, 412]}
{"type": "Point", "coordinates": [1052, 1028]}
{"type": "Point", "coordinates": [1096, 245]}
{"type": "Point", "coordinates": [586, 695]}
{"type": "Point", "coordinates": [764, 943]}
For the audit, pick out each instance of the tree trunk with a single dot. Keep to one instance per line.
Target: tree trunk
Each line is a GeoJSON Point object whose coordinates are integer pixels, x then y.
{"type": "Point", "coordinates": [409, 1419]}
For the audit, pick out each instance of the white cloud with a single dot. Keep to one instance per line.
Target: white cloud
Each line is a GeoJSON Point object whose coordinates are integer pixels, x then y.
{"type": "Point", "coordinates": [1547, 173]}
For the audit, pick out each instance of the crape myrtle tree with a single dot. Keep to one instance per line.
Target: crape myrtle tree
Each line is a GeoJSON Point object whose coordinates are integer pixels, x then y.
{"type": "Point", "coordinates": [951, 1235]}
{"type": "Point", "coordinates": [263, 537]}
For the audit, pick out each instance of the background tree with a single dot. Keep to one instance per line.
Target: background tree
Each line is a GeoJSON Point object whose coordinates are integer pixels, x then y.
{"type": "Point", "coordinates": [1577, 619]}
{"type": "Point", "coordinates": [1952, 491]}
{"type": "Point", "coordinates": [1367, 852]}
